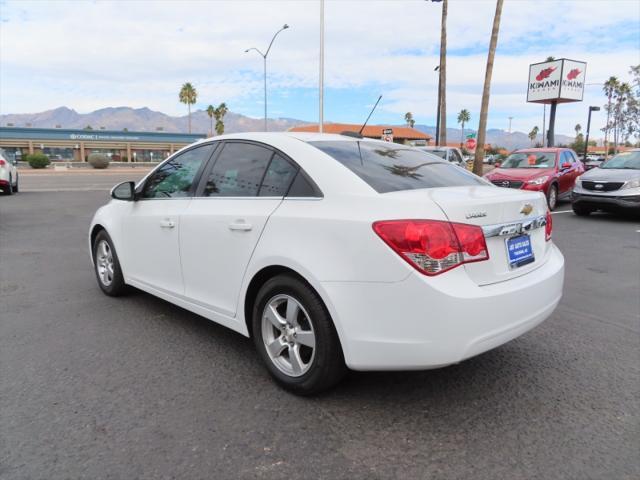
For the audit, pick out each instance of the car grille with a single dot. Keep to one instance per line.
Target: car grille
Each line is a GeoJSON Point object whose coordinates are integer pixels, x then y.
{"type": "Point", "coordinates": [508, 183]}
{"type": "Point", "coordinates": [601, 186]}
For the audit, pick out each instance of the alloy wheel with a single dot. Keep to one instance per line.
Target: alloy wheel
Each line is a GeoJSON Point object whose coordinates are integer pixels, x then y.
{"type": "Point", "coordinates": [104, 263]}
{"type": "Point", "coordinates": [288, 335]}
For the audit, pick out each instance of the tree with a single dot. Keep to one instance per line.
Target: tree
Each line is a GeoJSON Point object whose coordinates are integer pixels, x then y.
{"type": "Point", "coordinates": [219, 113]}
{"type": "Point", "coordinates": [463, 117]}
{"type": "Point", "coordinates": [88, 127]}
{"type": "Point", "coordinates": [609, 89]}
{"type": "Point", "coordinates": [210, 112]}
{"type": "Point", "coordinates": [443, 74]}
{"type": "Point", "coordinates": [577, 128]}
{"type": "Point", "coordinates": [408, 117]}
{"type": "Point", "coordinates": [188, 95]}
{"type": "Point", "coordinates": [482, 127]}
{"type": "Point", "coordinates": [533, 134]}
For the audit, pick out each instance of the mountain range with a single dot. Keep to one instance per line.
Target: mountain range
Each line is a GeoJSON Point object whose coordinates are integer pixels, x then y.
{"type": "Point", "coordinates": [146, 120]}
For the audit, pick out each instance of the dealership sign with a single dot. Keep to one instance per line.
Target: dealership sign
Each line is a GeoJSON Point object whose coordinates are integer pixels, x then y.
{"type": "Point", "coordinates": [557, 81]}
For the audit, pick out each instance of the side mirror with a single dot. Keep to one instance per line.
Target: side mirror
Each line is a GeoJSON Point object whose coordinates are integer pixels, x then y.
{"type": "Point", "coordinates": [566, 165]}
{"type": "Point", "coordinates": [124, 191]}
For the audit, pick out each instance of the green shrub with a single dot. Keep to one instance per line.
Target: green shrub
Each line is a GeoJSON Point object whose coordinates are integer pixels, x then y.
{"type": "Point", "coordinates": [37, 160]}
{"type": "Point", "coordinates": [98, 160]}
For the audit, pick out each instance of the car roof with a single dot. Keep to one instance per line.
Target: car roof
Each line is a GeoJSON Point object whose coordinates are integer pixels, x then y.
{"type": "Point", "coordinates": [545, 149]}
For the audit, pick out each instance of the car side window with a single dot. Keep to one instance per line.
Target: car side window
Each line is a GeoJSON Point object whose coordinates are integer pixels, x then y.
{"type": "Point", "coordinates": [566, 158]}
{"type": "Point", "coordinates": [277, 178]}
{"type": "Point", "coordinates": [455, 156]}
{"type": "Point", "coordinates": [302, 187]}
{"type": "Point", "coordinates": [174, 178]}
{"type": "Point", "coordinates": [238, 171]}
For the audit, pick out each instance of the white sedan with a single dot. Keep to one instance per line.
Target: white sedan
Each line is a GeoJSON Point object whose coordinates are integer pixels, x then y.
{"type": "Point", "coordinates": [333, 252]}
{"type": "Point", "coordinates": [8, 174]}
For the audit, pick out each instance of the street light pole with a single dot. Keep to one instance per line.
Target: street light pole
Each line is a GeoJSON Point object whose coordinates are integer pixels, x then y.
{"type": "Point", "coordinates": [586, 142]}
{"type": "Point", "coordinates": [264, 59]}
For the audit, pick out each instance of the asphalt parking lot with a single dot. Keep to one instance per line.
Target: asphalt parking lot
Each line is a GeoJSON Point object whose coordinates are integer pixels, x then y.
{"type": "Point", "coordinates": [97, 387]}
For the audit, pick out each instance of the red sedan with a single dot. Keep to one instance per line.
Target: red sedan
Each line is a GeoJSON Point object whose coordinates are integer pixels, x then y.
{"type": "Point", "coordinates": [552, 171]}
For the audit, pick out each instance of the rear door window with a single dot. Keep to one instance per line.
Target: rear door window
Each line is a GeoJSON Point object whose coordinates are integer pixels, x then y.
{"type": "Point", "coordinates": [238, 171]}
{"type": "Point", "coordinates": [392, 167]}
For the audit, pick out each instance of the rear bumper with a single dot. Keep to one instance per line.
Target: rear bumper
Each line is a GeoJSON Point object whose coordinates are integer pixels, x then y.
{"type": "Point", "coordinates": [612, 200]}
{"type": "Point", "coordinates": [422, 323]}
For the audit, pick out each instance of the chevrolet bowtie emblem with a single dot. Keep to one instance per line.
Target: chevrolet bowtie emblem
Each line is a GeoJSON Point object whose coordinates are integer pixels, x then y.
{"type": "Point", "coordinates": [527, 209]}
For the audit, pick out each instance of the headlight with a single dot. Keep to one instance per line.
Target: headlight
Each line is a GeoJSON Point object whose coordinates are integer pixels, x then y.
{"type": "Point", "coordinates": [635, 183]}
{"type": "Point", "coordinates": [538, 181]}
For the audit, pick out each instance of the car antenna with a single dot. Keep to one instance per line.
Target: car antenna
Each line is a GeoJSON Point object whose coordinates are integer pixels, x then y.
{"type": "Point", "coordinates": [359, 134]}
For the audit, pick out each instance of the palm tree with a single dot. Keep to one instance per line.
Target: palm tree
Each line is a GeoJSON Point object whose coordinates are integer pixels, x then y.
{"type": "Point", "coordinates": [482, 127]}
{"type": "Point", "coordinates": [188, 95]}
{"type": "Point", "coordinates": [463, 117]}
{"type": "Point", "coordinates": [533, 134]}
{"type": "Point", "coordinates": [609, 88]}
{"type": "Point", "coordinates": [443, 74]}
{"type": "Point", "coordinates": [622, 94]}
{"type": "Point", "coordinates": [219, 113]}
{"type": "Point", "coordinates": [408, 117]}
{"type": "Point", "coordinates": [210, 112]}
{"type": "Point", "coordinates": [577, 128]}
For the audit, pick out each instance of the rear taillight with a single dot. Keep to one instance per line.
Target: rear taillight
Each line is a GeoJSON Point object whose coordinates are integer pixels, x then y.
{"type": "Point", "coordinates": [548, 227]}
{"type": "Point", "coordinates": [433, 246]}
{"type": "Point", "coordinates": [2, 163]}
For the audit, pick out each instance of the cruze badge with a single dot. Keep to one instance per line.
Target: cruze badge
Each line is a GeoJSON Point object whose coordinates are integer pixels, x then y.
{"type": "Point", "coordinates": [475, 215]}
{"type": "Point", "coordinates": [527, 209]}
{"type": "Point", "coordinates": [599, 185]}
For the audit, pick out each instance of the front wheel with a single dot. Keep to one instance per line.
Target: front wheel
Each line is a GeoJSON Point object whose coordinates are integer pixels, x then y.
{"type": "Point", "coordinates": [581, 210]}
{"type": "Point", "coordinates": [107, 266]}
{"type": "Point", "coordinates": [295, 336]}
{"type": "Point", "coordinates": [552, 197]}
{"type": "Point", "coordinates": [16, 186]}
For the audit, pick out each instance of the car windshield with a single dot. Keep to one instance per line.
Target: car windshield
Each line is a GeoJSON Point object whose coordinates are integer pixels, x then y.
{"type": "Point", "coordinates": [392, 167]}
{"type": "Point", "coordinates": [530, 160]}
{"type": "Point", "coordinates": [625, 160]}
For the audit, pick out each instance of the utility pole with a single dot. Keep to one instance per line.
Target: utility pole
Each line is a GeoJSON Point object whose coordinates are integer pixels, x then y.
{"type": "Point", "coordinates": [586, 141]}
{"type": "Point", "coordinates": [321, 85]}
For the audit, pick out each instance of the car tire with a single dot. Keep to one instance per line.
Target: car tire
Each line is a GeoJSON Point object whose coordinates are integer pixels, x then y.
{"type": "Point", "coordinates": [16, 189]}
{"type": "Point", "coordinates": [295, 336]}
{"type": "Point", "coordinates": [9, 188]}
{"type": "Point", "coordinates": [581, 210]}
{"type": "Point", "coordinates": [552, 197]}
{"type": "Point", "coordinates": [107, 266]}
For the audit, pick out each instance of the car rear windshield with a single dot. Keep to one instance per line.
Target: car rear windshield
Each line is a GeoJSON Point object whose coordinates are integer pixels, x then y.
{"type": "Point", "coordinates": [530, 160]}
{"type": "Point", "coordinates": [393, 167]}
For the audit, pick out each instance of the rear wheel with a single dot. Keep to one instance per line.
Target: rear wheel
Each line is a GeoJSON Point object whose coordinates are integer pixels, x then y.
{"type": "Point", "coordinates": [295, 336]}
{"type": "Point", "coordinates": [107, 266]}
{"type": "Point", "coordinates": [16, 186]}
{"type": "Point", "coordinates": [581, 210]}
{"type": "Point", "coordinates": [8, 190]}
{"type": "Point", "coordinates": [552, 197]}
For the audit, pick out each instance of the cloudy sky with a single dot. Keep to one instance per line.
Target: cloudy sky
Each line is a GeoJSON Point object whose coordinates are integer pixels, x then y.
{"type": "Point", "coordinates": [93, 54]}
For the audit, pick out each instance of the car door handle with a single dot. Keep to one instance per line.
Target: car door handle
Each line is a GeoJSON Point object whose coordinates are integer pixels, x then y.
{"type": "Point", "coordinates": [239, 225]}
{"type": "Point", "coordinates": [167, 223]}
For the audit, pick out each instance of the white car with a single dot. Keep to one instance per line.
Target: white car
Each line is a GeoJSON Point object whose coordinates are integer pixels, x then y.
{"type": "Point", "coordinates": [451, 154]}
{"type": "Point", "coordinates": [333, 252]}
{"type": "Point", "coordinates": [9, 181]}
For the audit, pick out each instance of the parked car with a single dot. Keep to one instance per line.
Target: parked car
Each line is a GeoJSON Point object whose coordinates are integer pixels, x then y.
{"type": "Point", "coordinates": [490, 159]}
{"type": "Point", "coordinates": [613, 186]}
{"type": "Point", "coordinates": [333, 252]}
{"type": "Point", "coordinates": [593, 161]}
{"type": "Point", "coordinates": [552, 171]}
{"type": "Point", "coordinates": [9, 178]}
{"type": "Point", "coordinates": [450, 154]}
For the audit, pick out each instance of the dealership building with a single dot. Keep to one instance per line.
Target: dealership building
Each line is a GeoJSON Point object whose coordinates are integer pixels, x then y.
{"type": "Point", "coordinates": [75, 145]}
{"type": "Point", "coordinates": [391, 133]}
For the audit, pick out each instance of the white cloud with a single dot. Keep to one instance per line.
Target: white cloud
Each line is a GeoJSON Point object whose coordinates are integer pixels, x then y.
{"type": "Point", "coordinates": [89, 55]}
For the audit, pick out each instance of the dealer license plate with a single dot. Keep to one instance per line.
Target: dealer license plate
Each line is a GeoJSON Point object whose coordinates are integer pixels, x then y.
{"type": "Point", "coordinates": [519, 251]}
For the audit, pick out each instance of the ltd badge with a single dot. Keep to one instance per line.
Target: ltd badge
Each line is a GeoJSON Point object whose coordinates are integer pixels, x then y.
{"type": "Point", "coordinates": [475, 215]}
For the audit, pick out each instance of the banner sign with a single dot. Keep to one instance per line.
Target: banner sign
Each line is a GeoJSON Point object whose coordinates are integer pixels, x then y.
{"type": "Point", "coordinates": [558, 81]}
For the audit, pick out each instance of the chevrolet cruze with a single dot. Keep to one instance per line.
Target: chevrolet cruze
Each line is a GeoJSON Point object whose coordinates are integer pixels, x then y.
{"type": "Point", "coordinates": [333, 252]}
